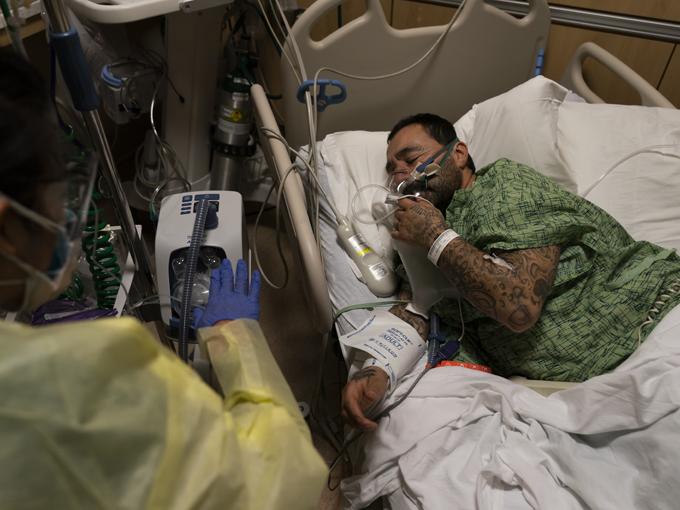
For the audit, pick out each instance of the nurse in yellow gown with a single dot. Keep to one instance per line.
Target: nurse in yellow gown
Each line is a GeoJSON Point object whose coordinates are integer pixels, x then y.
{"type": "Point", "coordinates": [98, 414]}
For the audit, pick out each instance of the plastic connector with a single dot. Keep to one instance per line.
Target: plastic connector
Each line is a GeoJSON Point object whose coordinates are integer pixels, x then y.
{"type": "Point", "coordinates": [211, 220]}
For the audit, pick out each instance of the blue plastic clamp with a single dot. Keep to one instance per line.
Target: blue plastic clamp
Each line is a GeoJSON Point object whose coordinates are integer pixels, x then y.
{"type": "Point", "coordinates": [540, 60]}
{"type": "Point", "coordinates": [109, 78]}
{"type": "Point", "coordinates": [322, 100]}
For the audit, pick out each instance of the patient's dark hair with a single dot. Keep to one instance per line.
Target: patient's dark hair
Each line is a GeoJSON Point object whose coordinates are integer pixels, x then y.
{"type": "Point", "coordinates": [29, 141]}
{"type": "Point", "coordinates": [437, 127]}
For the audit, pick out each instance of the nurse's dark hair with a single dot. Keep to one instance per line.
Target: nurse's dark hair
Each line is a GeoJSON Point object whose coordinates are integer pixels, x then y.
{"type": "Point", "coordinates": [29, 141]}
{"type": "Point", "coordinates": [437, 127]}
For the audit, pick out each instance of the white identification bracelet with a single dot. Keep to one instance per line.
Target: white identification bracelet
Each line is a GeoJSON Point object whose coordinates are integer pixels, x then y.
{"type": "Point", "coordinates": [439, 244]}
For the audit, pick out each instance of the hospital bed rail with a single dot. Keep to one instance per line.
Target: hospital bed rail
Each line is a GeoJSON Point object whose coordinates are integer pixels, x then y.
{"type": "Point", "coordinates": [574, 80]}
{"type": "Point", "coordinates": [297, 221]}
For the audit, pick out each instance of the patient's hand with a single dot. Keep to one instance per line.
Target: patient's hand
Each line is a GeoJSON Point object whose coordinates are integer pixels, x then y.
{"type": "Point", "coordinates": [361, 393]}
{"type": "Point", "coordinates": [418, 222]}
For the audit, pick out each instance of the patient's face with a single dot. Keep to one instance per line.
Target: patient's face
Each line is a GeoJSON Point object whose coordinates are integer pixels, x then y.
{"type": "Point", "coordinates": [411, 146]}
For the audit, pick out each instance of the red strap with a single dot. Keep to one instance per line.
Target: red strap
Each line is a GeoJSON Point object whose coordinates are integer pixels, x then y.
{"type": "Point", "coordinates": [471, 366]}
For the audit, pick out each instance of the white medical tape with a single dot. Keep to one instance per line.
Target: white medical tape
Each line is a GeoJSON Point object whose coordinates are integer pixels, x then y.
{"type": "Point", "coordinates": [439, 244]}
{"type": "Point", "coordinates": [394, 344]}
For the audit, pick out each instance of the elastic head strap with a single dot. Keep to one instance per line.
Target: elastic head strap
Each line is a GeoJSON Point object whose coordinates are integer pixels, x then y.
{"type": "Point", "coordinates": [446, 150]}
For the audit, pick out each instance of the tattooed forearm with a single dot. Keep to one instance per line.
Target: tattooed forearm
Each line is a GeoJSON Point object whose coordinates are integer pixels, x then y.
{"type": "Point", "coordinates": [366, 373]}
{"type": "Point", "coordinates": [419, 324]}
{"type": "Point", "coordinates": [512, 292]}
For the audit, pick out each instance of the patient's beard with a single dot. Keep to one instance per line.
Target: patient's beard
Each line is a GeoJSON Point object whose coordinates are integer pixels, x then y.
{"type": "Point", "coordinates": [441, 187]}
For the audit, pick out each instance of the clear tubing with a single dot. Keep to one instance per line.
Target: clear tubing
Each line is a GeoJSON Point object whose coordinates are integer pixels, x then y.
{"type": "Point", "coordinates": [192, 261]}
{"type": "Point", "coordinates": [355, 216]}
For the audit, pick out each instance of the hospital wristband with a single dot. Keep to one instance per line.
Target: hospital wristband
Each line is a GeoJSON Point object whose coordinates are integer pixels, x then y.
{"type": "Point", "coordinates": [391, 376]}
{"type": "Point", "coordinates": [439, 244]}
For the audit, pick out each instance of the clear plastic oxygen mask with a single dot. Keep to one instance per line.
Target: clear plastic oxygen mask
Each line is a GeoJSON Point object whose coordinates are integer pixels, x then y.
{"type": "Point", "coordinates": [416, 182]}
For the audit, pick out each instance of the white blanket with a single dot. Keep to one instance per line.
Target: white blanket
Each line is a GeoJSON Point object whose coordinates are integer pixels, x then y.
{"type": "Point", "coordinates": [466, 439]}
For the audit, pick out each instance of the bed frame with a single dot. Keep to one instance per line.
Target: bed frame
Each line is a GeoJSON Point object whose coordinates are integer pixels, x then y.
{"type": "Point", "coordinates": [490, 61]}
{"type": "Point", "coordinates": [370, 107]}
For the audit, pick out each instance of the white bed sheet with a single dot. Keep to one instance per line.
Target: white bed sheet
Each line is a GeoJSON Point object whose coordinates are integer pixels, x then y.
{"type": "Point", "coordinates": [481, 441]}
{"type": "Point", "coordinates": [349, 161]}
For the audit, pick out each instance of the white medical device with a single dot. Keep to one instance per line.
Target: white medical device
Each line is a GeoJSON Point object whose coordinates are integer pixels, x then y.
{"type": "Point", "coordinates": [377, 275]}
{"type": "Point", "coordinates": [228, 239]}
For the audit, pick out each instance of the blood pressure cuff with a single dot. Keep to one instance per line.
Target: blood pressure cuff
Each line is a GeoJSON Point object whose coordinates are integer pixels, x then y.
{"type": "Point", "coordinates": [393, 344]}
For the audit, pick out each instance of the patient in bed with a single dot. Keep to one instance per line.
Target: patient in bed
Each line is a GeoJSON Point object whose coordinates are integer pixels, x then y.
{"type": "Point", "coordinates": [553, 287]}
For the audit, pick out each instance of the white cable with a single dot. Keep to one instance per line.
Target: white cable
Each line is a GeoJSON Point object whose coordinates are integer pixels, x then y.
{"type": "Point", "coordinates": [289, 170]}
{"type": "Point", "coordinates": [653, 149]}
{"type": "Point", "coordinates": [278, 42]}
{"type": "Point", "coordinates": [273, 134]}
{"type": "Point", "coordinates": [353, 204]}
{"type": "Point", "coordinates": [311, 117]}
{"type": "Point", "coordinates": [395, 73]}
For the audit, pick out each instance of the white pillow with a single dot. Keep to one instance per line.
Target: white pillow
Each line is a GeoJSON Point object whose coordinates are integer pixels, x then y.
{"type": "Point", "coordinates": [520, 125]}
{"type": "Point", "coordinates": [643, 193]}
{"type": "Point", "coordinates": [353, 160]}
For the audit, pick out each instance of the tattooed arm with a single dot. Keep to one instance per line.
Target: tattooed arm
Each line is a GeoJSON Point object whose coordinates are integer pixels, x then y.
{"type": "Point", "coordinates": [420, 324]}
{"type": "Point", "coordinates": [511, 293]}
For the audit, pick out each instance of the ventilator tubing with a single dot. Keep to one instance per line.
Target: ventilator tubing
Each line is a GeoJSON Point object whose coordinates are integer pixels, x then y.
{"type": "Point", "coordinates": [393, 343]}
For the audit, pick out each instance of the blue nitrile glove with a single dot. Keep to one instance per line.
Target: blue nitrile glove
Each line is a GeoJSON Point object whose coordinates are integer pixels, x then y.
{"type": "Point", "coordinates": [229, 300]}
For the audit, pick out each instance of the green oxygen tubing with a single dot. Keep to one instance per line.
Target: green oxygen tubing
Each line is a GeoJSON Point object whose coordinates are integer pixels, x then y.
{"type": "Point", "coordinates": [101, 257]}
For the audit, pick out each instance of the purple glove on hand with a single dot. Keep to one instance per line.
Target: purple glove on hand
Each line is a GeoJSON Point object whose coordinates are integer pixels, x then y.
{"type": "Point", "coordinates": [229, 300]}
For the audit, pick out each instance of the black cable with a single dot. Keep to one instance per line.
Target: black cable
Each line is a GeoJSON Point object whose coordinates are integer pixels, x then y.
{"type": "Point", "coordinates": [665, 69]}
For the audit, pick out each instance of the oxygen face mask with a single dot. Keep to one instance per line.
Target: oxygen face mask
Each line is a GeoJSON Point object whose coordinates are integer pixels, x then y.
{"type": "Point", "coordinates": [416, 182]}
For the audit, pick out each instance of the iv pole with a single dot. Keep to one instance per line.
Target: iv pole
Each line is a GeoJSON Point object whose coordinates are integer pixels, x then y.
{"type": "Point", "coordinates": [66, 43]}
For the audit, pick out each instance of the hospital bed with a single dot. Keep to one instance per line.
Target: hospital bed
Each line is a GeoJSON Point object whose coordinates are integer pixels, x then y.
{"type": "Point", "coordinates": [505, 57]}
{"type": "Point", "coordinates": [564, 131]}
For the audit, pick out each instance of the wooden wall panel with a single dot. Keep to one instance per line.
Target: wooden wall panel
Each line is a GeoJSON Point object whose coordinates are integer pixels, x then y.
{"type": "Point", "coordinates": [670, 85]}
{"type": "Point", "coordinates": [416, 14]}
{"type": "Point", "coordinates": [661, 9]}
{"type": "Point", "coordinates": [647, 58]}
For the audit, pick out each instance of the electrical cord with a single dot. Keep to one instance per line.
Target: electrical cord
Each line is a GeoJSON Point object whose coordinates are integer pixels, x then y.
{"type": "Point", "coordinates": [319, 188]}
{"type": "Point", "coordinates": [278, 233]}
{"type": "Point", "coordinates": [278, 42]}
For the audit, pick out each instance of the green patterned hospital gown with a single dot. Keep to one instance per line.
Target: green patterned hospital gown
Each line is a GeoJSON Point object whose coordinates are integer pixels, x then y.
{"type": "Point", "coordinates": [606, 283]}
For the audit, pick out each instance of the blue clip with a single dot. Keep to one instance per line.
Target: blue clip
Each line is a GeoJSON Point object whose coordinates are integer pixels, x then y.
{"type": "Point", "coordinates": [540, 59]}
{"type": "Point", "coordinates": [438, 348]}
{"type": "Point", "coordinates": [322, 100]}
